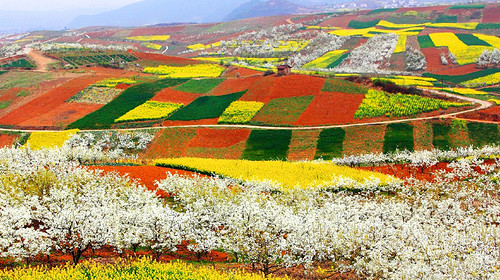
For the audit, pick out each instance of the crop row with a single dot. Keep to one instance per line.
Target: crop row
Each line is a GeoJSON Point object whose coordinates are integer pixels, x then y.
{"type": "Point", "coordinates": [379, 103]}
{"type": "Point", "coordinates": [190, 71]}
{"type": "Point", "coordinates": [287, 175]}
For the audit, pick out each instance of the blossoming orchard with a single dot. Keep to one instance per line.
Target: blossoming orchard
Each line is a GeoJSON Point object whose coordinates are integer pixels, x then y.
{"type": "Point", "coordinates": [312, 142]}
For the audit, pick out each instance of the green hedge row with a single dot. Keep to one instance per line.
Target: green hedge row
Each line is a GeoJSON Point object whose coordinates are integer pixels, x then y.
{"type": "Point", "coordinates": [471, 40]}
{"type": "Point", "coordinates": [363, 24]}
{"type": "Point", "coordinates": [462, 78]}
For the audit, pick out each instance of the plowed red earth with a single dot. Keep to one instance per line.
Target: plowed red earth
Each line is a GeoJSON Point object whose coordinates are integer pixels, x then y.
{"type": "Point", "coordinates": [48, 101]}
{"type": "Point", "coordinates": [166, 59]}
{"type": "Point", "coordinates": [271, 87]}
{"type": "Point", "coordinates": [147, 175]}
{"type": "Point", "coordinates": [422, 9]}
{"type": "Point", "coordinates": [459, 70]}
{"type": "Point", "coordinates": [62, 115]}
{"type": "Point", "coordinates": [194, 122]}
{"type": "Point", "coordinates": [403, 171]}
{"type": "Point", "coordinates": [175, 96]}
{"type": "Point", "coordinates": [242, 72]}
{"type": "Point", "coordinates": [7, 140]}
{"type": "Point", "coordinates": [219, 138]}
{"type": "Point", "coordinates": [433, 58]}
{"type": "Point", "coordinates": [491, 14]}
{"type": "Point", "coordinates": [234, 85]}
{"type": "Point", "coordinates": [490, 114]}
{"type": "Point", "coordinates": [331, 108]}
{"type": "Point", "coordinates": [341, 22]}
{"type": "Point", "coordinates": [157, 30]}
{"type": "Point", "coordinates": [9, 94]}
{"type": "Point", "coordinates": [430, 30]}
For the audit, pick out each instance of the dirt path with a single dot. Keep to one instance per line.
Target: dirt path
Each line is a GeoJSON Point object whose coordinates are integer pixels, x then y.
{"type": "Point", "coordinates": [483, 105]}
{"type": "Point", "coordinates": [40, 60]}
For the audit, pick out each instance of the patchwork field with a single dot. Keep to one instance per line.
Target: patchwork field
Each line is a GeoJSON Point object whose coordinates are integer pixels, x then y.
{"type": "Point", "coordinates": [182, 152]}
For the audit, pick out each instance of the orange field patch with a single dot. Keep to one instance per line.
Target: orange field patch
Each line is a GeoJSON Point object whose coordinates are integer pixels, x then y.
{"type": "Point", "coordinates": [7, 140]}
{"type": "Point", "coordinates": [194, 122]}
{"type": "Point", "coordinates": [166, 59]}
{"type": "Point", "coordinates": [175, 96]}
{"type": "Point", "coordinates": [234, 85]}
{"type": "Point", "coordinates": [490, 114]}
{"type": "Point", "coordinates": [433, 58]}
{"type": "Point", "coordinates": [62, 115]}
{"type": "Point", "coordinates": [331, 108]}
{"type": "Point", "coordinates": [303, 144]}
{"type": "Point", "coordinates": [219, 138]}
{"type": "Point", "coordinates": [491, 13]}
{"type": "Point", "coordinates": [9, 94]}
{"type": "Point", "coordinates": [170, 143]}
{"type": "Point", "coordinates": [48, 101]}
{"type": "Point", "coordinates": [146, 175]}
{"type": "Point", "coordinates": [364, 139]}
{"type": "Point", "coordinates": [271, 87]}
{"type": "Point", "coordinates": [242, 72]}
{"type": "Point", "coordinates": [341, 22]}
{"type": "Point", "coordinates": [459, 70]}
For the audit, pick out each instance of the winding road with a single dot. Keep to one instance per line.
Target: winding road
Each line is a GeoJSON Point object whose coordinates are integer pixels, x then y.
{"type": "Point", "coordinates": [483, 105]}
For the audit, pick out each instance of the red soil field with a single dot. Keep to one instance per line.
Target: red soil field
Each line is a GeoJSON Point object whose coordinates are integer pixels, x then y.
{"type": "Point", "coordinates": [195, 122]}
{"type": "Point", "coordinates": [341, 22]}
{"type": "Point", "coordinates": [361, 41]}
{"type": "Point", "coordinates": [9, 94]}
{"type": "Point", "coordinates": [157, 30]}
{"type": "Point", "coordinates": [491, 14]}
{"type": "Point", "coordinates": [62, 115]}
{"type": "Point", "coordinates": [234, 85]}
{"type": "Point", "coordinates": [490, 114]}
{"type": "Point", "coordinates": [241, 72]}
{"type": "Point", "coordinates": [7, 140]}
{"type": "Point", "coordinates": [170, 143]}
{"type": "Point", "coordinates": [363, 139]}
{"type": "Point", "coordinates": [303, 144]}
{"type": "Point", "coordinates": [122, 86]}
{"type": "Point", "coordinates": [331, 108]}
{"type": "Point", "coordinates": [272, 87]}
{"type": "Point", "coordinates": [175, 96]}
{"type": "Point", "coordinates": [433, 58]}
{"type": "Point", "coordinates": [430, 30]}
{"type": "Point", "coordinates": [219, 138]}
{"type": "Point", "coordinates": [48, 101]}
{"type": "Point", "coordinates": [422, 9]}
{"type": "Point", "coordinates": [458, 70]}
{"type": "Point", "coordinates": [404, 171]}
{"type": "Point", "coordinates": [146, 175]}
{"type": "Point", "coordinates": [166, 59]}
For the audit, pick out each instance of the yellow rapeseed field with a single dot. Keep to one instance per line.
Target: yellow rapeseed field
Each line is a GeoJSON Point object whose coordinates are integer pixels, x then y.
{"type": "Point", "coordinates": [113, 82]}
{"type": "Point", "coordinates": [387, 24]}
{"type": "Point", "coordinates": [150, 110]}
{"type": "Point", "coordinates": [325, 60]}
{"type": "Point", "coordinates": [43, 139]}
{"type": "Point", "coordinates": [189, 71]}
{"type": "Point", "coordinates": [401, 46]}
{"type": "Point", "coordinates": [464, 54]}
{"type": "Point", "coordinates": [149, 38]}
{"type": "Point", "coordinates": [490, 39]}
{"type": "Point", "coordinates": [288, 175]}
{"type": "Point", "coordinates": [151, 46]}
{"type": "Point", "coordinates": [142, 269]}
{"type": "Point", "coordinates": [240, 112]}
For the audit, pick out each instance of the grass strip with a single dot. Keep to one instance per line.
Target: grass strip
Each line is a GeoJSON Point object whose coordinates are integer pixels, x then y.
{"type": "Point", "coordinates": [267, 145]}
{"type": "Point", "coordinates": [330, 143]}
{"type": "Point", "coordinates": [398, 136]}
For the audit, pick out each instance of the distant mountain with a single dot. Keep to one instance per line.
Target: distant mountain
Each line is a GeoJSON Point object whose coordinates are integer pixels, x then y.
{"type": "Point", "coordinates": [259, 8]}
{"type": "Point", "coordinates": [149, 12]}
{"type": "Point", "coordinates": [20, 21]}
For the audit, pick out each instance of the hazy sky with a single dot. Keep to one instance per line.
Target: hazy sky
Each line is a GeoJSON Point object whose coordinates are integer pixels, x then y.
{"type": "Point", "coordinates": [50, 5]}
